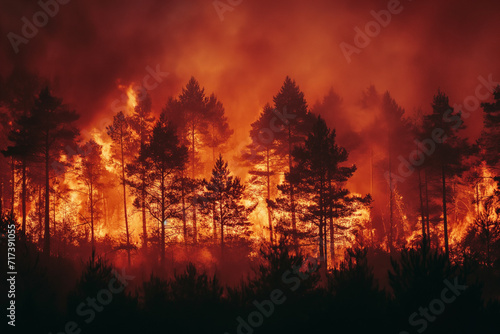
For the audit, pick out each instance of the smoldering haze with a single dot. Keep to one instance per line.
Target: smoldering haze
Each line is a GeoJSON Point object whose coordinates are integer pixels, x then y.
{"type": "Point", "coordinates": [90, 51]}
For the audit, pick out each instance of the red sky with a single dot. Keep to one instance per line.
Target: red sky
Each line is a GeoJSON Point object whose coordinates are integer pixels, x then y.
{"type": "Point", "coordinates": [88, 49]}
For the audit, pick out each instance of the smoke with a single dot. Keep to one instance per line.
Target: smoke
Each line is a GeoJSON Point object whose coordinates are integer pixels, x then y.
{"type": "Point", "coordinates": [91, 49]}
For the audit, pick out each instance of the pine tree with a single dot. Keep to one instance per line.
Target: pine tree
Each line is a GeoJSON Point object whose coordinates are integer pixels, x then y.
{"type": "Point", "coordinates": [295, 121]}
{"type": "Point", "coordinates": [166, 158]}
{"type": "Point", "coordinates": [263, 157]}
{"type": "Point", "coordinates": [53, 130]}
{"type": "Point", "coordinates": [141, 122]}
{"type": "Point", "coordinates": [226, 192]}
{"type": "Point", "coordinates": [91, 175]}
{"type": "Point", "coordinates": [318, 177]}
{"type": "Point", "coordinates": [490, 136]}
{"type": "Point", "coordinates": [219, 131]}
{"type": "Point", "coordinates": [445, 149]}
{"type": "Point", "coordinates": [19, 96]}
{"type": "Point", "coordinates": [119, 132]}
{"type": "Point", "coordinates": [201, 123]}
{"type": "Point", "coordinates": [398, 143]}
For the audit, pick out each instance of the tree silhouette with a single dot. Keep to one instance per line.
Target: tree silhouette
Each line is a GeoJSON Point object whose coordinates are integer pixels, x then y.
{"type": "Point", "coordinates": [490, 136]}
{"type": "Point", "coordinates": [166, 158]}
{"type": "Point", "coordinates": [264, 158]}
{"type": "Point", "coordinates": [225, 192]}
{"type": "Point", "coordinates": [296, 122]}
{"type": "Point", "coordinates": [219, 131]}
{"type": "Point", "coordinates": [119, 132]}
{"type": "Point", "coordinates": [19, 97]}
{"type": "Point", "coordinates": [318, 178]}
{"type": "Point", "coordinates": [398, 139]}
{"type": "Point", "coordinates": [91, 174]}
{"type": "Point", "coordinates": [201, 123]}
{"type": "Point", "coordinates": [4, 163]}
{"type": "Point", "coordinates": [141, 122]}
{"type": "Point", "coordinates": [442, 126]}
{"type": "Point", "coordinates": [53, 130]}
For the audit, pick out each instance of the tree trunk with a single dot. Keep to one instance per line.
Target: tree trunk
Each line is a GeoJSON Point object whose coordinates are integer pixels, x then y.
{"type": "Point", "coordinates": [422, 215]}
{"type": "Point", "coordinates": [46, 243]}
{"type": "Point", "coordinates": [221, 230]}
{"type": "Point", "coordinates": [332, 230]}
{"type": "Point", "coordinates": [143, 189]}
{"type": "Point", "coordinates": [91, 199]}
{"type": "Point", "coordinates": [183, 199]}
{"type": "Point", "coordinates": [125, 197]}
{"type": "Point", "coordinates": [163, 218]}
{"type": "Point", "coordinates": [269, 199]}
{"type": "Point", "coordinates": [371, 193]}
{"type": "Point", "coordinates": [13, 189]}
{"type": "Point", "coordinates": [40, 215]}
{"type": "Point", "coordinates": [24, 190]}
{"type": "Point", "coordinates": [427, 211]}
{"type": "Point", "coordinates": [332, 242]}
{"type": "Point", "coordinates": [214, 222]}
{"type": "Point", "coordinates": [292, 196]}
{"type": "Point", "coordinates": [391, 224]}
{"type": "Point", "coordinates": [321, 241]}
{"type": "Point", "coordinates": [143, 210]}
{"type": "Point", "coordinates": [195, 227]}
{"type": "Point", "coordinates": [445, 218]}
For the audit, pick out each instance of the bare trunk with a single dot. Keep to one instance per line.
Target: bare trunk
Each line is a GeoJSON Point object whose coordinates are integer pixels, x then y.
{"type": "Point", "coordinates": [269, 199]}
{"type": "Point", "coordinates": [332, 242]}
{"type": "Point", "coordinates": [292, 195]}
{"type": "Point", "coordinates": [195, 227]}
{"type": "Point", "coordinates": [391, 224]}
{"type": "Point", "coordinates": [46, 243]}
{"type": "Point", "coordinates": [332, 230]}
{"type": "Point", "coordinates": [445, 218]}
{"type": "Point", "coordinates": [221, 229]}
{"type": "Point", "coordinates": [183, 195]}
{"type": "Point", "coordinates": [125, 197]}
{"type": "Point", "coordinates": [40, 214]}
{"type": "Point", "coordinates": [214, 222]}
{"type": "Point", "coordinates": [91, 199]}
{"type": "Point", "coordinates": [23, 228]}
{"type": "Point", "coordinates": [163, 218]}
{"type": "Point", "coordinates": [143, 190]}
{"type": "Point", "coordinates": [427, 211]}
{"type": "Point", "coordinates": [143, 210]}
{"type": "Point", "coordinates": [13, 189]}
{"type": "Point", "coordinates": [371, 193]}
{"type": "Point", "coordinates": [422, 215]}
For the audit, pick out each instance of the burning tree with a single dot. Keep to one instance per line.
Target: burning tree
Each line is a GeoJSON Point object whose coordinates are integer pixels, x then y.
{"type": "Point", "coordinates": [398, 138]}
{"type": "Point", "coordinates": [295, 121]}
{"type": "Point", "coordinates": [165, 158]}
{"type": "Point", "coordinates": [201, 123]}
{"type": "Point", "coordinates": [52, 130]}
{"type": "Point", "coordinates": [19, 99]}
{"type": "Point", "coordinates": [446, 150]}
{"type": "Point", "coordinates": [318, 177]}
{"type": "Point", "coordinates": [141, 122]}
{"type": "Point", "coordinates": [91, 175]}
{"type": "Point", "coordinates": [490, 136]}
{"type": "Point", "coordinates": [219, 131]}
{"type": "Point", "coordinates": [119, 132]}
{"type": "Point", "coordinates": [265, 159]}
{"type": "Point", "coordinates": [225, 192]}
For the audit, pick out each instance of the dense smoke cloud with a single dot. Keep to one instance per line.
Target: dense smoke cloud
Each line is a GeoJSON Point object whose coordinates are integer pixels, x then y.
{"type": "Point", "coordinates": [89, 49]}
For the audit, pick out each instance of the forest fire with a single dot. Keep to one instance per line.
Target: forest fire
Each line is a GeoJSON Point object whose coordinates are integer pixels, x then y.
{"type": "Point", "coordinates": [250, 166]}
